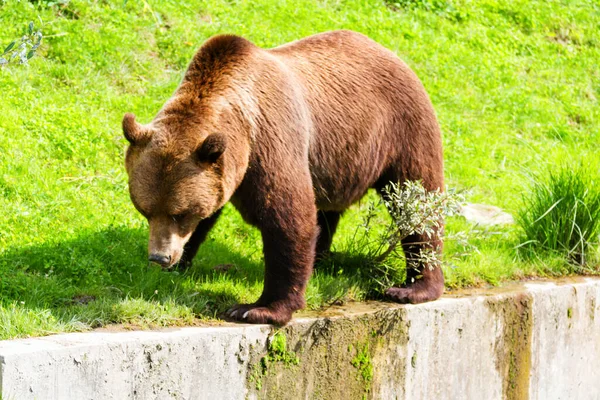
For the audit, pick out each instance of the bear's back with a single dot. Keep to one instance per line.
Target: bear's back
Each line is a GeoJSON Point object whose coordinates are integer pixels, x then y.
{"type": "Point", "coordinates": [363, 101]}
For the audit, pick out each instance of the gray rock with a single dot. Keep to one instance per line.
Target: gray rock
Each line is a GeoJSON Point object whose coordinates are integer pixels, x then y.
{"type": "Point", "coordinates": [483, 214]}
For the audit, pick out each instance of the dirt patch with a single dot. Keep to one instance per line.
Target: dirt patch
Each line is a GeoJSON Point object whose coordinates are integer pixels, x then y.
{"type": "Point", "coordinates": [126, 327]}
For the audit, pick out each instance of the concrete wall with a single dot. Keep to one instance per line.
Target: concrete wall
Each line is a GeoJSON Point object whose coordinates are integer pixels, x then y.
{"type": "Point", "coordinates": [538, 342]}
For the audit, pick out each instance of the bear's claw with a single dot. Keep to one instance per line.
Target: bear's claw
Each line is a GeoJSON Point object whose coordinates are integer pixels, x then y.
{"type": "Point", "coordinates": [256, 314]}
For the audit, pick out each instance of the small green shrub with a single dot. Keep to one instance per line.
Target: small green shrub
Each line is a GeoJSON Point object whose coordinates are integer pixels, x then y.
{"type": "Point", "coordinates": [562, 213]}
{"type": "Point", "coordinates": [412, 210]}
{"type": "Point", "coordinates": [22, 49]}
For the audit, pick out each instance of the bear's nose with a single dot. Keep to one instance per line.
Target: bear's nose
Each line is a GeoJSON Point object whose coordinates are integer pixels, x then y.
{"type": "Point", "coordinates": [161, 259]}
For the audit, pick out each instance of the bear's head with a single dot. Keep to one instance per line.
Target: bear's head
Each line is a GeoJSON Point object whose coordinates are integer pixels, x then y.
{"type": "Point", "coordinates": [180, 172]}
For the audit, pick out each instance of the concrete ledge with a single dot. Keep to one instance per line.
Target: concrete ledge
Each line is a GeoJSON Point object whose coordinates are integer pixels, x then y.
{"type": "Point", "coordinates": [540, 341]}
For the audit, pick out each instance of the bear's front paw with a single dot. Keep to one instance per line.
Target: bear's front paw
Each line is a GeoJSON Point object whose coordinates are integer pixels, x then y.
{"type": "Point", "coordinates": [256, 314]}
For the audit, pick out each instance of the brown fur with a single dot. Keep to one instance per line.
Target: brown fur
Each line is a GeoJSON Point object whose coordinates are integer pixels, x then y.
{"type": "Point", "coordinates": [282, 133]}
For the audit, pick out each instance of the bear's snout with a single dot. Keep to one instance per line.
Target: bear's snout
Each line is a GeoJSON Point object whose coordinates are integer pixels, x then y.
{"type": "Point", "coordinates": [166, 241]}
{"type": "Point", "coordinates": [161, 259]}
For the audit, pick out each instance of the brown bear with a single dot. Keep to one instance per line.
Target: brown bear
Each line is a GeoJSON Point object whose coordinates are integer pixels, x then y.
{"type": "Point", "coordinates": [292, 136]}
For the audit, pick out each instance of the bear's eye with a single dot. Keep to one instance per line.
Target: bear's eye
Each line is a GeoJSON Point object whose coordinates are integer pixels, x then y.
{"type": "Point", "coordinates": [179, 217]}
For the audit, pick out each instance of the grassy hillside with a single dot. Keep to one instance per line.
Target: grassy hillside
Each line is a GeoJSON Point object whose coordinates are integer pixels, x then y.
{"type": "Point", "coordinates": [515, 84]}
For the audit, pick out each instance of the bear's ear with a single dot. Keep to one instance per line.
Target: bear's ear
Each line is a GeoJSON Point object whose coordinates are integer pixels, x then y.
{"type": "Point", "coordinates": [133, 131]}
{"type": "Point", "coordinates": [212, 148]}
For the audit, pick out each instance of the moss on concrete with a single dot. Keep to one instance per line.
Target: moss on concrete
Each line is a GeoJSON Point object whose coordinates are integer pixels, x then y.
{"type": "Point", "coordinates": [334, 360]}
{"type": "Point", "coordinates": [362, 362]}
{"type": "Point", "coordinates": [513, 349]}
{"type": "Point", "coordinates": [277, 353]}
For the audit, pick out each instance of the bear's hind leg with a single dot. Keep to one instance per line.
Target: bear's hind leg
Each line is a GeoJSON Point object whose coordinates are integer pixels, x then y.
{"type": "Point", "coordinates": [424, 282]}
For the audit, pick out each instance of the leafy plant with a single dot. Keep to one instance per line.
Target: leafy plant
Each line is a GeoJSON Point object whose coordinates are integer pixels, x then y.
{"type": "Point", "coordinates": [22, 49]}
{"type": "Point", "coordinates": [562, 213]}
{"type": "Point", "coordinates": [414, 211]}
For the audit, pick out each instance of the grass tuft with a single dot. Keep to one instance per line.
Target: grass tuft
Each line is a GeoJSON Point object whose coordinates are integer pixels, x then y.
{"type": "Point", "coordinates": [561, 213]}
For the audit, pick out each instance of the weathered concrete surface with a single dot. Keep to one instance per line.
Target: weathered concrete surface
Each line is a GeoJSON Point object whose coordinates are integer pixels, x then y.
{"type": "Point", "coordinates": [566, 342]}
{"type": "Point", "coordinates": [541, 341]}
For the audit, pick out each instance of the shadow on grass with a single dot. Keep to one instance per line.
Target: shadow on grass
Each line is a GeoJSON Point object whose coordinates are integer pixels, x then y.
{"type": "Point", "coordinates": [102, 277]}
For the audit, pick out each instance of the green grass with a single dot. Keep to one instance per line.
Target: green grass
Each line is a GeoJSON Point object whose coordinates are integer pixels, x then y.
{"type": "Point", "coordinates": [515, 84]}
